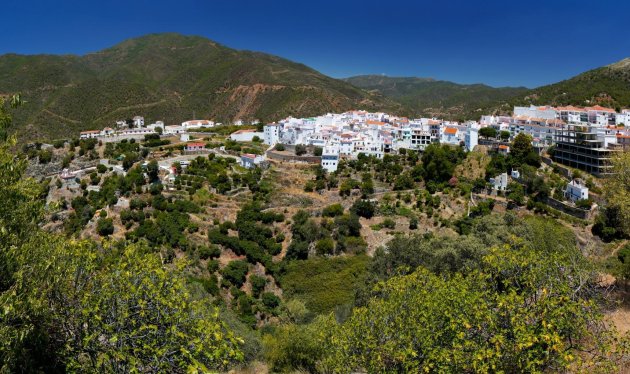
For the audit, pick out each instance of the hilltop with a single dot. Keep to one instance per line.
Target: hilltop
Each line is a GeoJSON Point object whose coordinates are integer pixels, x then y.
{"type": "Point", "coordinates": [168, 77]}
{"type": "Point", "coordinates": [607, 86]}
{"type": "Point", "coordinates": [437, 98]}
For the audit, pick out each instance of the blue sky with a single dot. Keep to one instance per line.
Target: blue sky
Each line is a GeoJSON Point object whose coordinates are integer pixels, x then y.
{"type": "Point", "coordinates": [500, 43]}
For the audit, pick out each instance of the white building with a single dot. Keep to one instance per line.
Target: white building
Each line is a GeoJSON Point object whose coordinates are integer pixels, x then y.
{"type": "Point", "coordinates": [246, 135]}
{"type": "Point", "coordinates": [449, 135]}
{"type": "Point", "coordinates": [250, 161]}
{"type": "Point", "coordinates": [623, 118]}
{"type": "Point", "coordinates": [272, 134]}
{"type": "Point", "coordinates": [499, 182]}
{"type": "Point", "coordinates": [420, 139]}
{"type": "Point", "coordinates": [330, 158]}
{"type": "Point", "coordinates": [173, 129]}
{"type": "Point", "coordinates": [197, 124]}
{"type": "Point", "coordinates": [156, 125]}
{"type": "Point", "coordinates": [89, 134]}
{"type": "Point", "coordinates": [544, 112]}
{"type": "Point", "coordinates": [138, 122]}
{"type": "Point", "coordinates": [576, 190]}
{"type": "Point", "coordinates": [471, 139]}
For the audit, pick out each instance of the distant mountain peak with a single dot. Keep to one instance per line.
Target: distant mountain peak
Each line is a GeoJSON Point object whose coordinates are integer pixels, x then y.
{"type": "Point", "coordinates": [167, 77]}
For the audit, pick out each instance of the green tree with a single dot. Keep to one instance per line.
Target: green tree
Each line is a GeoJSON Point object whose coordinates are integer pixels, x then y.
{"type": "Point", "coordinates": [258, 284]}
{"type": "Point", "coordinates": [439, 162]}
{"type": "Point", "coordinates": [71, 306]}
{"type": "Point", "coordinates": [521, 146]}
{"type": "Point", "coordinates": [363, 208]}
{"type": "Point", "coordinates": [152, 171]}
{"type": "Point", "coordinates": [325, 246]}
{"type": "Point", "coordinates": [105, 226]}
{"type": "Point", "coordinates": [300, 149]}
{"type": "Point", "coordinates": [333, 210]}
{"type": "Point", "coordinates": [488, 132]}
{"type": "Point", "coordinates": [235, 272]}
{"type": "Point", "coordinates": [523, 311]}
{"type": "Point", "coordinates": [111, 311]}
{"type": "Point", "coordinates": [617, 191]}
{"type": "Point", "coordinates": [516, 193]}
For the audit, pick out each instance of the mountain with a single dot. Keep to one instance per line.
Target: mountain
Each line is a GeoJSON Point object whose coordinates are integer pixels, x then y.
{"type": "Point", "coordinates": [168, 77]}
{"type": "Point", "coordinates": [607, 86]}
{"type": "Point", "coordinates": [437, 98]}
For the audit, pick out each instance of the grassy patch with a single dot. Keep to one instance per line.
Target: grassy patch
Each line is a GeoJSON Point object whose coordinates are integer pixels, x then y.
{"type": "Point", "coordinates": [324, 283]}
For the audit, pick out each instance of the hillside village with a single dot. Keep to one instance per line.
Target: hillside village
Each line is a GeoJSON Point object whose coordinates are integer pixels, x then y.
{"type": "Point", "coordinates": [266, 214]}
{"type": "Point", "coordinates": [342, 187]}
{"type": "Point", "coordinates": [345, 136]}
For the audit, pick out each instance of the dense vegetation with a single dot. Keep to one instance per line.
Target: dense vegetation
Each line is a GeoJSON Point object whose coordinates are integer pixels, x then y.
{"type": "Point", "coordinates": [502, 298]}
{"type": "Point", "coordinates": [71, 305]}
{"type": "Point", "coordinates": [436, 98]}
{"type": "Point", "coordinates": [167, 286]}
{"type": "Point", "coordinates": [607, 86]}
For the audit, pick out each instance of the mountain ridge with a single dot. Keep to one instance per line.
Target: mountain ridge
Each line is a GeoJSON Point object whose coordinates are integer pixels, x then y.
{"type": "Point", "coordinates": [170, 76]}
{"type": "Point", "coordinates": [437, 98]}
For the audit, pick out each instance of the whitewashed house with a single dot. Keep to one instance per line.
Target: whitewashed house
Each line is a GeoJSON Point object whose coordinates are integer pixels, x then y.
{"type": "Point", "coordinates": [576, 190]}
{"type": "Point", "coordinates": [330, 158]}
{"type": "Point", "coordinates": [500, 182]}
{"type": "Point", "coordinates": [138, 122]}
{"type": "Point", "coordinates": [89, 134]}
{"type": "Point", "coordinates": [271, 133]}
{"type": "Point", "coordinates": [250, 160]}
{"type": "Point", "coordinates": [449, 135]}
{"type": "Point", "coordinates": [246, 135]}
{"type": "Point", "coordinates": [471, 139]}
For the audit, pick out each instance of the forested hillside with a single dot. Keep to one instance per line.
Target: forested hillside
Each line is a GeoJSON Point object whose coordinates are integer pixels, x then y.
{"type": "Point", "coordinates": [168, 77]}
{"type": "Point", "coordinates": [607, 86]}
{"type": "Point", "coordinates": [437, 98]}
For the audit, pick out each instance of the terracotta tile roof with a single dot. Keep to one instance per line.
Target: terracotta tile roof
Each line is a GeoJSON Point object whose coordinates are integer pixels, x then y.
{"type": "Point", "coordinates": [243, 131]}
{"type": "Point", "coordinates": [503, 147]}
{"type": "Point", "coordinates": [569, 108]}
{"type": "Point", "coordinates": [599, 108]}
{"type": "Point", "coordinates": [196, 144]}
{"type": "Point", "coordinates": [450, 130]}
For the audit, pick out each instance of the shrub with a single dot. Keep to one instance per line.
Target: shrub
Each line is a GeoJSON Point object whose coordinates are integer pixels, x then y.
{"type": "Point", "coordinates": [333, 210]}
{"type": "Point", "coordinates": [300, 149]}
{"type": "Point", "coordinates": [45, 157]}
{"type": "Point", "coordinates": [325, 246]}
{"type": "Point", "coordinates": [235, 272]}
{"type": "Point", "coordinates": [208, 252]}
{"type": "Point", "coordinates": [413, 223]}
{"type": "Point", "coordinates": [309, 186]}
{"type": "Point", "coordinates": [258, 284]}
{"type": "Point", "coordinates": [105, 226]}
{"type": "Point", "coordinates": [363, 208]}
{"type": "Point", "coordinates": [213, 266]}
{"type": "Point", "coordinates": [270, 300]}
{"type": "Point", "coordinates": [388, 223]}
{"type": "Point", "coordinates": [279, 147]}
